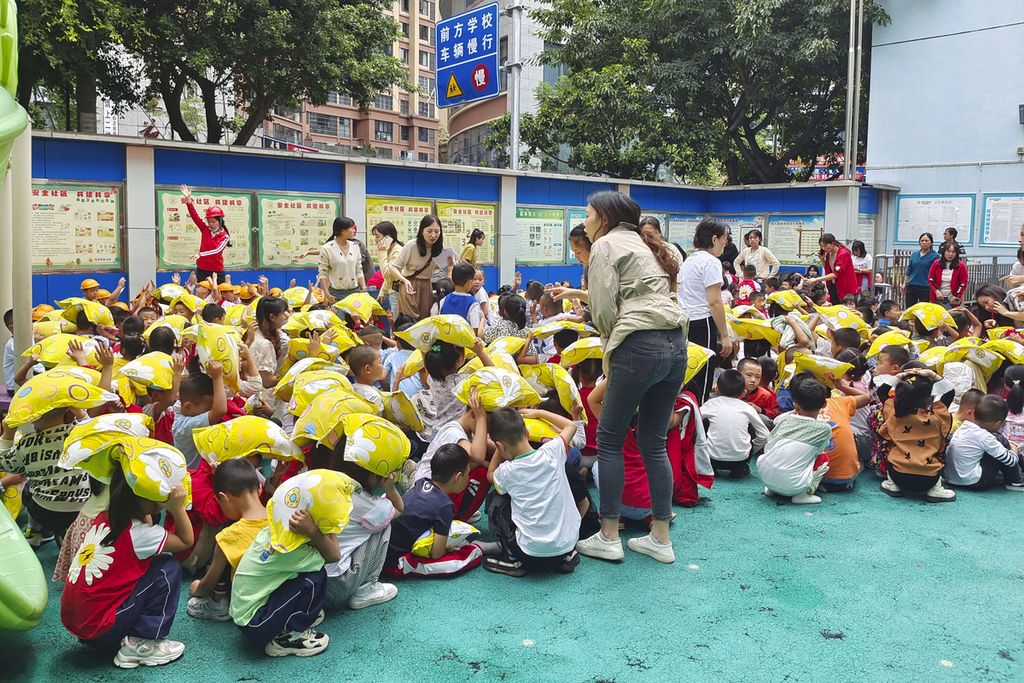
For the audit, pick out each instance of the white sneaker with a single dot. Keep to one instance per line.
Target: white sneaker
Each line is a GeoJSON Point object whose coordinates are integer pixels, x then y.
{"type": "Point", "coordinates": [319, 619]}
{"type": "Point", "coordinates": [652, 547]}
{"type": "Point", "coordinates": [1014, 487]}
{"type": "Point", "coordinates": [768, 492]}
{"type": "Point", "coordinates": [370, 594]}
{"type": "Point", "coordinates": [805, 499]}
{"type": "Point", "coordinates": [600, 547]}
{"type": "Point", "coordinates": [816, 478]}
{"type": "Point", "coordinates": [475, 517]}
{"type": "Point", "coordinates": [208, 608]}
{"type": "Point", "coordinates": [940, 494]}
{"type": "Point", "coordinates": [890, 487]}
{"type": "Point", "coordinates": [305, 644]}
{"type": "Point", "coordinates": [145, 652]}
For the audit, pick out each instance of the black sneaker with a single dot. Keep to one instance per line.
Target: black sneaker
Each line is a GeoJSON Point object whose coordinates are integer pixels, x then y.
{"type": "Point", "coordinates": [305, 644]}
{"type": "Point", "coordinates": [499, 565]}
{"type": "Point", "coordinates": [569, 563]}
{"type": "Point", "coordinates": [1014, 487]}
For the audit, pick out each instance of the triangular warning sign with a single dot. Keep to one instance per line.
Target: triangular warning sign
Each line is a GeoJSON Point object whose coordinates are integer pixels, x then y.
{"type": "Point", "coordinates": [453, 88]}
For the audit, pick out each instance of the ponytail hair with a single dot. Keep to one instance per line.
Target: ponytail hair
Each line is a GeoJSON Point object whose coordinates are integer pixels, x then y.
{"type": "Point", "coordinates": [1013, 378]}
{"type": "Point", "coordinates": [617, 209]}
{"type": "Point", "coordinates": [124, 506]}
{"type": "Point", "coordinates": [912, 394]}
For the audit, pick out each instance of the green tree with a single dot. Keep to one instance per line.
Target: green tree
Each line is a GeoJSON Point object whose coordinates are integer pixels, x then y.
{"type": "Point", "coordinates": [741, 85]}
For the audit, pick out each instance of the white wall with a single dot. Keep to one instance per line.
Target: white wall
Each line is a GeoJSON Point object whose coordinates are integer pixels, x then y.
{"type": "Point", "coordinates": [947, 77]}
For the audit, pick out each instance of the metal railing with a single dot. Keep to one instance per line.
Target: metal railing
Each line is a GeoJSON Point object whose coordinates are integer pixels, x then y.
{"type": "Point", "coordinates": [981, 270]}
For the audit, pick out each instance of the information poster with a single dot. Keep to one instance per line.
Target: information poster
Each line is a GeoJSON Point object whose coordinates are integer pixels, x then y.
{"type": "Point", "coordinates": [460, 219]}
{"type": "Point", "coordinates": [406, 214]}
{"type": "Point", "coordinates": [741, 225]}
{"type": "Point", "coordinates": [793, 238]}
{"type": "Point", "coordinates": [76, 227]}
{"type": "Point", "coordinates": [866, 231]}
{"type": "Point", "coordinates": [1004, 220]}
{"type": "Point", "coordinates": [179, 237]}
{"type": "Point", "coordinates": [573, 218]}
{"type": "Point", "coordinates": [682, 228]}
{"type": "Point", "coordinates": [540, 235]}
{"type": "Point", "coordinates": [934, 213]}
{"type": "Point", "coordinates": [293, 227]}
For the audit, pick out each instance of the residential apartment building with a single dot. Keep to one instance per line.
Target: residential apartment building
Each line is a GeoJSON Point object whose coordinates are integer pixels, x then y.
{"type": "Point", "coordinates": [399, 124]}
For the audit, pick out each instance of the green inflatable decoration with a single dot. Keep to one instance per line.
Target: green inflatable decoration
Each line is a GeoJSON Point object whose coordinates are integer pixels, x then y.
{"type": "Point", "coordinates": [23, 589]}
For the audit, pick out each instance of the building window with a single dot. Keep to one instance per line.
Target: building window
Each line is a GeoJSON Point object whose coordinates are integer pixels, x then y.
{"type": "Point", "coordinates": [427, 59]}
{"type": "Point", "coordinates": [405, 133]}
{"type": "Point", "coordinates": [405, 28]}
{"type": "Point", "coordinates": [383, 152]}
{"type": "Point", "coordinates": [322, 124]}
{"type": "Point", "coordinates": [405, 6]}
{"type": "Point", "coordinates": [285, 133]}
{"type": "Point", "coordinates": [385, 102]}
{"type": "Point", "coordinates": [403, 107]}
{"type": "Point", "coordinates": [429, 158]}
{"type": "Point", "coordinates": [425, 33]}
{"type": "Point", "coordinates": [552, 72]}
{"type": "Point", "coordinates": [426, 84]}
{"type": "Point", "coordinates": [383, 131]}
{"type": "Point", "coordinates": [405, 55]}
{"type": "Point", "coordinates": [427, 9]}
{"type": "Point", "coordinates": [423, 156]}
{"type": "Point", "coordinates": [502, 60]}
{"type": "Point", "coordinates": [427, 109]}
{"type": "Point", "coordinates": [345, 128]}
{"type": "Point", "coordinates": [426, 135]}
{"type": "Point", "coordinates": [339, 98]}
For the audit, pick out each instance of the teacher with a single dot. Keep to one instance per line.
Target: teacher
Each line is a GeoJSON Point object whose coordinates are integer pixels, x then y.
{"type": "Point", "coordinates": [840, 275]}
{"type": "Point", "coordinates": [413, 266]}
{"type": "Point", "coordinates": [213, 241]}
{"type": "Point", "coordinates": [340, 270]}
{"type": "Point", "coordinates": [757, 255]}
{"type": "Point", "coordinates": [641, 326]}
{"type": "Point", "coordinates": [916, 287]}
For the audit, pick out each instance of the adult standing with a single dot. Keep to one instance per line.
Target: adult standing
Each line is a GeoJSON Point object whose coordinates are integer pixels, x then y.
{"type": "Point", "coordinates": [633, 308]}
{"type": "Point", "coordinates": [950, 235]}
{"type": "Point", "coordinates": [413, 267]}
{"type": "Point", "coordinates": [650, 228]}
{"type": "Point", "coordinates": [729, 253]}
{"type": "Point", "coordinates": [214, 238]}
{"type": "Point", "coordinates": [385, 238]}
{"type": "Point", "coordinates": [339, 267]}
{"type": "Point", "coordinates": [476, 238]}
{"type": "Point", "coordinates": [840, 276]}
{"type": "Point", "coordinates": [700, 296]}
{"type": "Point", "coordinates": [947, 277]}
{"type": "Point", "coordinates": [862, 265]}
{"type": "Point", "coordinates": [1016, 276]}
{"type": "Point", "coordinates": [757, 255]}
{"type": "Point", "coordinates": [916, 287]}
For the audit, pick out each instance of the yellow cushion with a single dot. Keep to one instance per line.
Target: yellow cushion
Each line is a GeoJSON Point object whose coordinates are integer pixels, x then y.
{"type": "Point", "coordinates": [311, 384]}
{"type": "Point", "coordinates": [449, 328]}
{"type": "Point", "coordinates": [929, 314]}
{"type": "Point", "coordinates": [374, 444]}
{"type": "Point", "coordinates": [326, 495]}
{"type": "Point", "coordinates": [52, 390]}
{"type": "Point", "coordinates": [548, 376]}
{"type": "Point", "coordinates": [217, 343]}
{"type": "Point", "coordinates": [322, 421]}
{"type": "Point", "coordinates": [361, 305]}
{"type": "Point", "coordinates": [400, 410]}
{"type": "Point", "coordinates": [244, 436]}
{"type": "Point", "coordinates": [588, 347]}
{"type": "Point", "coordinates": [498, 389]}
{"type": "Point", "coordinates": [697, 357]}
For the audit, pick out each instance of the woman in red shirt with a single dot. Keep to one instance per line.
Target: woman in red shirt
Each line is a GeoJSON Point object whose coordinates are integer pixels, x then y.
{"type": "Point", "coordinates": [947, 277]}
{"type": "Point", "coordinates": [840, 275]}
{"type": "Point", "coordinates": [215, 238]}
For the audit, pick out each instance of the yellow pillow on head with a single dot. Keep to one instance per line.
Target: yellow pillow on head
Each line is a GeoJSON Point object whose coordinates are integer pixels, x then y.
{"type": "Point", "coordinates": [286, 382]}
{"type": "Point", "coordinates": [788, 299]}
{"type": "Point", "coordinates": [151, 468]}
{"type": "Point", "coordinates": [298, 349]}
{"type": "Point", "coordinates": [498, 389]}
{"type": "Point", "coordinates": [95, 312]}
{"type": "Point", "coordinates": [400, 410]}
{"type": "Point", "coordinates": [828, 370]}
{"type": "Point", "coordinates": [154, 370]}
{"type": "Point", "coordinates": [53, 390]}
{"type": "Point", "coordinates": [581, 350]}
{"type": "Point", "coordinates": [216, 343]}
{"type": "Point", "coordinates": [361, 305]}
{"type": "Point", "coordinates": [296, 296]}
{"type": "Point", "coordinates": [325, 494]}
{"type": "Point", "coordinates": [697, 357]}
{"type": "Point", "coordinates": [311, 384]}
{"type": "Point", "coordinates": [374, 444]}
{"type": "Point", "coordinates": [53, 351]}
{"type": "Point", "coordinates": [548, 376]}
{"type": "Point", "coordinates": [98, 435]}
{"type": "Point", "coordinates": [890, 338]}
{"type": "Point", "coordinates": [309, 321]}
{"type": "Point", "coordinates": [175, 322]}
{"type": "Point", "coordinates": [321, 423]}
{"type": "Point", "coordinates": [755, 328]}
{"type": "Point", "coordinates": [453, 329]}
{"type": "Point", "coordinates": [499, 359]}
{"type": "Point", "coordinates": [510, 345]}
{"type": "Point", "coordinates": [929, 314]}
{"type": "Point", "coordinates": [244, 436]}
{"type": "Point", "coordinates": [169, 292]}
{"type": "Point", "coordinates": [550, 329]}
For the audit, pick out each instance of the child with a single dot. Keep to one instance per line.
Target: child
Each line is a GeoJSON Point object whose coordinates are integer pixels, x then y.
{"type": "Point", "coordinates": [771, 284]}
{"type": "Point", "coordinates": [213, 313]}
{"type": "Point", "coordinates": [843, 458]}
{"type": "Point", "coordinates": [916, 422]}
{"type": "Point", "coordinates": [586, 373]}
{"type": "Point", "coordinates": [735, 431]}
{"type": "Point", "coordinates": [237, 488]}
{"type": "Point", "coordinates": [842, 339]}
{"type": "Point", "coordinates": [395, 360]}
{"type": "Point", "coordinates": [888, 313]}
{"type": "Point", "coordinates": [793, 463]}
{"type": "Point", "coordinates": [367, 371]}
{"type": "Point", "coordinates": [977, 452]}
{"type": "Point", "coordinates": [965, 409]}
{"type": "Point", "coordinates": [437, 404]}
{"type": "Point", "coordinates": [1013, 428]}
{"type": "Point", "coordinates": [890, 359]}
{"type": "Point", "coordinates": [757, 301]}
{"type": "Point", "coordinates": [763, 400]}
{"type": "Point", "coordinates": [511, 320]}
{"type": "Point", "coordinates": [533, 512]}
{"type": "Point", "coordinates": [428, 507]}
{"type": "Point", "coordinates": [122, 590]}
{"type": "Point", "coordinates": [461, 302]}
{"type": "Point", "coordinates": [203, 403]}
{"type": "Point", "coordinates": [277, 597]}
{"type": "Point", "coordinates": [747, 286]}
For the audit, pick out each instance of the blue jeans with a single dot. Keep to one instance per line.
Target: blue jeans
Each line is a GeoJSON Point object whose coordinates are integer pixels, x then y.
{"type": "Point", "coordinates": [293, 606]}
{"type": "Point", "coordinates": [645, 375]}
{"type": "Point", "coordinates": [149, 610]}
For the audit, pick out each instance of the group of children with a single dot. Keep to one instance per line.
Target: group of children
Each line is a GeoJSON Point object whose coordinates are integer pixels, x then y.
{"type": "Point", "coordinates": [343, 452]}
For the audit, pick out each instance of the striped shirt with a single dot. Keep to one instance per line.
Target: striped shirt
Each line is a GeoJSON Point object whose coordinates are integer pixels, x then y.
{"type": "Point", "coordinates": [35, 455]}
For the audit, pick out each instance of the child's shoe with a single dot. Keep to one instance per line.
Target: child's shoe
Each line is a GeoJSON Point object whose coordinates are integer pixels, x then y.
{"type": "Point", "coordinates": [504, 565]}
{"type": "Point", "coordinates": [1014, 487]}
{"type": "Point", "coordinates": [569, 563]}
{"type": "Point", "coordinates": [652, 547]}
{"type": "Point", "coordinates": [371, 594]}
{"type": "Point", "coordinates": [145, 652]}
{"type": "Point", "coordinates": [805, 499]}
{"type": "Point", "coordinates": [36, 538]}
{"type": "Point", "coordinates": [305, 644]}
{"type": "Point", "coordinates": [890, 487]}
{"type": "Point", "coordinates": [208, 608]}
{"type": "Point", "coordinates": [940, 494]}
{"type": "Point", "coordinates": [600, 547]}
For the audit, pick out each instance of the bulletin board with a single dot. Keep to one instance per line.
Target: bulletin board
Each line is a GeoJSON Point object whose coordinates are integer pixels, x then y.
{"type": "Point", "coordinates": [179, 238]}
{"type": "Point", "coordinates": [540, 235]}
{"type": "Point", "coordinates": [934, 213]}
{"type": "Point", "coordinates": [460, 219]}
{"type": "Point", "coordinates": [76, 227]}
{"type": "Point", "coordinates": [293, 227]}
{"type": "Point", "coordinates": [1002, 220]}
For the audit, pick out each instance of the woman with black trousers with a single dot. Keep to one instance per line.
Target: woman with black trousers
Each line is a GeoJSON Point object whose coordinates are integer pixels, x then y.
{"type": "Point", "coordinates": [916, 288]}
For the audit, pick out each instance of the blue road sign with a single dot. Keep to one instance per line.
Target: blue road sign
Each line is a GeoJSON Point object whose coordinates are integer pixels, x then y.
{"type": "Point", "coordinates": [467, 56]}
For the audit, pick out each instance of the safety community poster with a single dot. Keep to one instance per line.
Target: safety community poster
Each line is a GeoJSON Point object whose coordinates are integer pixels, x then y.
{"type": "Point", "coordinates": [540, 235]}
{"type": "Point", "coordinates": [178, 237]}
{"type": "Point", "coordinates": [76, 227]}
{"type": "Point", "coordinates": [460, 219]}
{"type": "Point", "coordinates": [406, 214]}
{"type": "Point", "coordinates": [293, 227]}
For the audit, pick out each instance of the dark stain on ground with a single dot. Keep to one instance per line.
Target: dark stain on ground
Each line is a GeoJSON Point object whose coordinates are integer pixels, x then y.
{"type": "Point", "coordinates": [1005, 654]}
{"type": "Point", "coordinates": [814, 557]}
{"type": "Point", "coordinates": [832, 635]}
{"type": "Point", "coordinates": [475, 666]}
{"type": "Point", "coordinates": [637, 663]}
{"type": "Point", "coordinates": [744, 586]}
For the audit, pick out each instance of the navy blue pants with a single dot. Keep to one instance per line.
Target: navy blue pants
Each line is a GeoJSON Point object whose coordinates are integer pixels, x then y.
{"type": "Point", "coordinates": [294, 606]}
{"type": "Point", "coordinates": [149, 611]}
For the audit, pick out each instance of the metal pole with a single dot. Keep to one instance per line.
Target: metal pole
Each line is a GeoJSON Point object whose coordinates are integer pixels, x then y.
{"type": "Point", "coordinates": [856, 93]}
{"type": "Point", "coordinates": [515, 69]}
{"type": "Point", "coordinates": [21, 241]}
{"type": "Point", "coordinates": [6, 257]}
{"type": "Point", "coordinates": [850, 64]}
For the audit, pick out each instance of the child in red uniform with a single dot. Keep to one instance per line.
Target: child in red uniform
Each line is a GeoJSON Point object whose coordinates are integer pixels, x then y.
{"type": "Point", "coordinates": [121, 589]}
{"type": "Point", "coordinates": [762, 399]}
{"type": "Point", "coordinates": [215, 238]}
{"type": "Point", "coordinates": [586, 374]}
{"type": "Point", "coordinates": [747, 286]}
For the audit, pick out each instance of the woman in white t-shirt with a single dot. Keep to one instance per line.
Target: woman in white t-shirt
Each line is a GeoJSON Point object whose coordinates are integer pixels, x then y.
{"type": "Point", "coordinates": [700, 293]}
{"type": "Point", "coordinates": [862, 263]}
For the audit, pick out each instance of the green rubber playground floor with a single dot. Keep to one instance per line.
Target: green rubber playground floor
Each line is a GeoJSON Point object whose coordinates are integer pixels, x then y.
{"type": "Point", "coordinates": [860, 588]}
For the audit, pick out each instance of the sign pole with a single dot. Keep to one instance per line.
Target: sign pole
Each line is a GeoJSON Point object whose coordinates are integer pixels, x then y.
{"type": "Point", "coordinates": [856, 91]}
{"type": "Point", "coordinates": [850, 62]}
{"type": "Point", "coordinates": [515, 69]}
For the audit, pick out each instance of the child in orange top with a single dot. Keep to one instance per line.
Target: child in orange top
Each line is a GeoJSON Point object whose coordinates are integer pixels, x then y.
{"type": "Point", "coordinates": [843, 463]}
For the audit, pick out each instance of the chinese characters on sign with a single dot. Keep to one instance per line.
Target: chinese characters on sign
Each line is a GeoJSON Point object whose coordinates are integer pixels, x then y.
{"type": "Point", "coordinates": [76, 227]}
{"type": "Point", "coordinates": [467, 56]}
{"type": "Point", "coordinates": [406, 214]}
{"type": "Point", "coordinates": [459, 221]}
{"type": "Point", "coordinates": [293, 227]}
{"type": "Point", "coordinates": [179, 237]}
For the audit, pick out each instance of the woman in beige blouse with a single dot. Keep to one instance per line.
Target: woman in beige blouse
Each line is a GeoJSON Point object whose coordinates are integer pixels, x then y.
{"type": "Point", "coordinates": [340, 270]}
{"type": "Point", "coordinates": [413, 266]}
{"type": "Point", "coordinates": [757, 255]}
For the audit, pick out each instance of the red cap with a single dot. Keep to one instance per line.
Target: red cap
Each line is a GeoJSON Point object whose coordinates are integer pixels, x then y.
{"type": "Point", "coordinates": [215, 212]}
